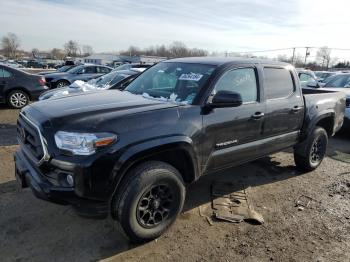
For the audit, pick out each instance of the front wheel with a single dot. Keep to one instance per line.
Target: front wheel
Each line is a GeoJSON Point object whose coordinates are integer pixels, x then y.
{"type": "Point", "coordinates": [148, 200]}
{"type": "Point", "coordinates": [62, 83]}
{"type": "Point", "coordinates": [309, 155]}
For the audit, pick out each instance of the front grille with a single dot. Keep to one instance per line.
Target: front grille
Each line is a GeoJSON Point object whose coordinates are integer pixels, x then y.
{"type": "Point", "coordinates": [30, 138]}
{"type": "Point", "coordinates": [348, 102]}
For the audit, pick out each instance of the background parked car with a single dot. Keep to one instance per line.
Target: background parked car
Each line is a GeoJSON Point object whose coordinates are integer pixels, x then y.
{"type": "Point", "coordinates": [306, 76]}
{"type": "Point", "coordinates": [113, 80]}
{"type": "Point", "coordinates": [17, 88]}
{"type": "Point", "coordinates": [132, 65]}
{"type": "Point", "coordinates": [323, 75]}
{"type": "Point", "coordinates": [61, 69]}
{"type": "Point", "coordinates": [81, 72]}
{"type": "Point", "coordinates": [339, 82]}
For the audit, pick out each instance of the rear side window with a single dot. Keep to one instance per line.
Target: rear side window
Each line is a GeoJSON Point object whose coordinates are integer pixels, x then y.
{"type": "Point", "coordinates": [4, 73]}
{"type": "Point", "coordinates": [278, 83]}
{"type": "Point", "coordinates": [103, 70]}
{"type": "Point", "coordinates": [89, 70]}
{"type": "Point", "coordinates": [242, 81]}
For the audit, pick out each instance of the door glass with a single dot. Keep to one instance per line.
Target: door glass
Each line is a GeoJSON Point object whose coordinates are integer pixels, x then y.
{"type": "Point", "coordinates": [6, 73]}
{"type": "Point", "coordinates": [278, 83]}
{"type": "Point", "coordinates": [89, 70]}
{"type": "Point", "coordinates": [242, 81]}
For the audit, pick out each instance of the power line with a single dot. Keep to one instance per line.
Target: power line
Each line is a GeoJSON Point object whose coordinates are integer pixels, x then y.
{"type": "Point", "coordinates": [291, 48]}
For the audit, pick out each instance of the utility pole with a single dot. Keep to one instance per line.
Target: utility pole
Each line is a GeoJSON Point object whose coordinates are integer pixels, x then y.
{"type": "Point", "coordinates": [307, 53]}
{"type": "Point", "coordinates": [293, 56]}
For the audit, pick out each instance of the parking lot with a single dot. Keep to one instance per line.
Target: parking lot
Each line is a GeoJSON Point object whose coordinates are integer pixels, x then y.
{"type": "Point", "coordinates": [39, 231]}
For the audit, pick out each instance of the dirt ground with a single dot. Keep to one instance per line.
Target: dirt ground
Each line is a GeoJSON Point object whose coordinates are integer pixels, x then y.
{"type": "Point", "coordinates": [34, 230]}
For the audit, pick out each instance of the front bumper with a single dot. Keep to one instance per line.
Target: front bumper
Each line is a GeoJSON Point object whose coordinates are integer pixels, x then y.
{"type": "Point", "coordinates": [29, 176]}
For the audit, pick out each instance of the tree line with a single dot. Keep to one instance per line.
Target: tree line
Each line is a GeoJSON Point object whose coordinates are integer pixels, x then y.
{"type": "Point", "coordinates": [11, 44]}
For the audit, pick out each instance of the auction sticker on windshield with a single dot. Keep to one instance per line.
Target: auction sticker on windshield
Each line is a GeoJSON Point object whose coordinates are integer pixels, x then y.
{"type": "Point", "coordinates": [191, 77]}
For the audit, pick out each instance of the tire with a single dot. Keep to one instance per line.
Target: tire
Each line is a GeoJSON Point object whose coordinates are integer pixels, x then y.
{"type": "Point", "coordinates": [62, 83]}
{"type": "Point", "coordinates": [148, 200]}
{"type": "Point", "coordinates": [309, 155]}
{"type": "Point", "coordinates": [17, 99]}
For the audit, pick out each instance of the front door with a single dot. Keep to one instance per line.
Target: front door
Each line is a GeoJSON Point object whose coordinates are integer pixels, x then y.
{"type": "Point", "coordinates": [231, 133]}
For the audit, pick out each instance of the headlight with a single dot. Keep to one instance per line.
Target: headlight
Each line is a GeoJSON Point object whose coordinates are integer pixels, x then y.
{"type": "Point", "coordinates": [83, 143]}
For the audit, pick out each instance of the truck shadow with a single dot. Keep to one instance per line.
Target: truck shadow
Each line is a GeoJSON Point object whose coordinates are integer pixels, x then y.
{"type": "Point", "coordinates": [31, 229]}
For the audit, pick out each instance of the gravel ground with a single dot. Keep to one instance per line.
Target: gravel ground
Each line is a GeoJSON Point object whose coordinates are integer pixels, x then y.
{"type": "Point", "coordinates": [34, 230]}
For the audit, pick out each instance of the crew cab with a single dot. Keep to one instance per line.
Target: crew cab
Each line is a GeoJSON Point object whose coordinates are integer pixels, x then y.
{"type": "Point", "coordinates": [130, 153]}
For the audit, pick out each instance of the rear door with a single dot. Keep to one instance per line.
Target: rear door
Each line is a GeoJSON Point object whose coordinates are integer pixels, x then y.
{"type": "Point", "coordinates": [284, 109]}
{"type": "Point", "coordinates": [89, 72]}
{"type": "Point", "coordinates": [231, 133]}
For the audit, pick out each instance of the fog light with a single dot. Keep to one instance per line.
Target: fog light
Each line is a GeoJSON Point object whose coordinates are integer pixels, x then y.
{"type": "Point", "coordinates": [70, 180]}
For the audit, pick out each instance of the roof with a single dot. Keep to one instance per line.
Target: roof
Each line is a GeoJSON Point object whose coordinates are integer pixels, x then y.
{"type": "Point", "coordinates": [102, 57]}
{"type": "Point", "coordinates": [224, 60]}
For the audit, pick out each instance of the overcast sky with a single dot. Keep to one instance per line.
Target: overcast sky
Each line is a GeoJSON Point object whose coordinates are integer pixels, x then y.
{"type": "Point", "coordinates": [215, 25]}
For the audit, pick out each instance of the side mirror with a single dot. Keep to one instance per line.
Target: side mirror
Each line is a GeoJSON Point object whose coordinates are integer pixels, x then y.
{"type": "Point", "coordinates": [313, 83]}
{"type": "Point", "coordinates": [226, 99]}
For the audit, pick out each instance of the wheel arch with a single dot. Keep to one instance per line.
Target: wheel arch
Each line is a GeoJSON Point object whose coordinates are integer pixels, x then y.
{"type": "Point", "coordinates": [179, 153]}
{"type": "Point", "coordinates": [325, 120]}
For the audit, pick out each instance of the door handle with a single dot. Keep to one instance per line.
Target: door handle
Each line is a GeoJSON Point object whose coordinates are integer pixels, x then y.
{"type": "Point", "coordinates": [258, 115]}
{"type": "Point", "coordinates": [296, 109]}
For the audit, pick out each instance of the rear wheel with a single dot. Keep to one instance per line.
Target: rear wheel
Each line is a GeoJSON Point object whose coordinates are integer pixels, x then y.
{"type": "Point", "coordinates": [309, 155]}
{"type": "Point", "coordinates": [17, 99]}
{"type": "Point", "coordinates": [148, 200]}
{"type": "Point", "coordinates": [62, 83]}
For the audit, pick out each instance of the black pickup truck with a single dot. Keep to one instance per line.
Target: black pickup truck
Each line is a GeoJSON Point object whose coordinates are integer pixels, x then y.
{"type": "Point", "coordinates": [130, 153]}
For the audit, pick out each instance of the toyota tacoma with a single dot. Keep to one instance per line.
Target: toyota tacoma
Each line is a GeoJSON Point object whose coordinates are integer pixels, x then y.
{"type": "Point", "coordinates": [130, 154]}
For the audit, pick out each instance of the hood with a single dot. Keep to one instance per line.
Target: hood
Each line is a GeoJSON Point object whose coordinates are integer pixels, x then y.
{"type": "Point", "coordinates": [78, 87]}
{"type": "Point", "coordinates": [98, 103]}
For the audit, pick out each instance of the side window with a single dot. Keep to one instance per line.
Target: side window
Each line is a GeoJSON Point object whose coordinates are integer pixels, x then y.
{"type": "Point", "coordinates": [7, 73]}
{"type": "Point", "coordinates": [103, 70]}
{"type": "Point", "coordinates": [89, 70]}
{"type": "Point", "coordinates": [242, 81]}
{"type": "Point", "coordinates": [305, 77]}
{"type": "Point", "coordinates": [4, 73]}
{"type": "Point", "coordinates": [278, 83]}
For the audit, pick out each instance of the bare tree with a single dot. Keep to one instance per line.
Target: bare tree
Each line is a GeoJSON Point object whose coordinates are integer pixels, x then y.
{"type": "Point", "coordinates": [57, 53]}
{"type": "Point", "coordinates": [178, 49]}
{"type": "Point", "coordinates": [323, 56]}
{"type": "Point", "coordinates": [71, 48]}
{"type": "Point", "coordinates": [35, 52]}
{"type": "Point", "coordinates": [87, 50]}
{"type": "Point", "coordinates": [10, 44]}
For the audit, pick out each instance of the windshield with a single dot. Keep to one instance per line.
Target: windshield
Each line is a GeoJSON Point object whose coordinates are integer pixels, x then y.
{"type": "Point", "coordinates": [75, 69]}
{"type": "Point", "coordinates": [171, 81]}
{"type": "Point", "coordinates": [338, 81]}
{"type": "Point", "coordinates": [63, 68]}
{"type": "Point", "coordinates": [123, 67]}
{"type": "Point", "coordinates": [110, 79]}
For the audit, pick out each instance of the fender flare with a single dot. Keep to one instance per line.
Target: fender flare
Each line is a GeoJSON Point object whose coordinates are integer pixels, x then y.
{"type": "Point", "coordinates": [145, 149]}
{"type": "Point", "coordinates": [329, 113]}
